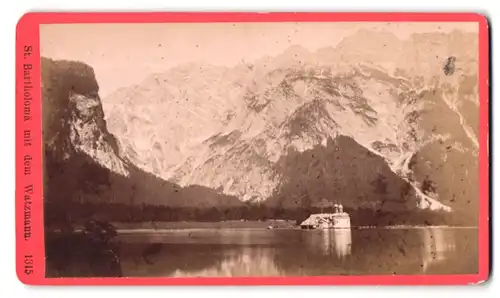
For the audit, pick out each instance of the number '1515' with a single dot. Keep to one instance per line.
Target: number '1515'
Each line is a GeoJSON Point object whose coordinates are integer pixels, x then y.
{"type": "Point", "coordinates": [28, 264]}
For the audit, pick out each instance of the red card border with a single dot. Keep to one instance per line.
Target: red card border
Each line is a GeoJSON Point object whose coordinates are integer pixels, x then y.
{"type": "Point", "coordinates": [27, 34]}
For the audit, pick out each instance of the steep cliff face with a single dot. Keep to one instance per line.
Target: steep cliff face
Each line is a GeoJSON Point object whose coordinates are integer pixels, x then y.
{"type": "Point", "coordinates": [80, 154]}
{"type": "Point", "coordinates": [83, 161]}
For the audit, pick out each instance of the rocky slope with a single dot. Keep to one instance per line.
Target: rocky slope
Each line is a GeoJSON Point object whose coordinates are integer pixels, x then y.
{"type": "Point", "coordinates": [343, 170]}
{"type": "Point", "coordinates": [84, 162]}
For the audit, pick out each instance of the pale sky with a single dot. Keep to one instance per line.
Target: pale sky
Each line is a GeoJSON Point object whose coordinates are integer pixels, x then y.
{"type": "Point", "coordinates": [125, 54]}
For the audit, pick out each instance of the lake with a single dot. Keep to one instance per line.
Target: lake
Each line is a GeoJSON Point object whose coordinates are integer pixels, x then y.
{"type": "Point", "coordinates": [295, 252]}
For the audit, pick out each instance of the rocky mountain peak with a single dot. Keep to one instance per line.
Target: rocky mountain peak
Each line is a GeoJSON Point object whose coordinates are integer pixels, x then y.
{"type": "Point", "coordinates": [226, 128]}
{"type": "Point", "coordinates": [73, 115]}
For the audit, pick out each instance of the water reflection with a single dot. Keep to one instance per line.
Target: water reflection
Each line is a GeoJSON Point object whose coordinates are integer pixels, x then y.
{"type": "Point", "coordinates": [342, 242]}
{"type": "Point", "coordinates": [245, 262]}
{"type": "Point", "coordinates": [437, 244]}
{"type": "Point", "coordinates": [300, 252]}
{"type": "Point", "coordinates": [329, 242]}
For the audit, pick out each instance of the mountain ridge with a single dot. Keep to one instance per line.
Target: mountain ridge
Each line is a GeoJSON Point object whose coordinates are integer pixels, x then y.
{"type": "Point", "coordinates": [225, 127]}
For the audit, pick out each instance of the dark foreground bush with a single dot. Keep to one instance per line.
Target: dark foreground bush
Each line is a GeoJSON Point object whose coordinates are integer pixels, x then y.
{"type": "Point", "coordinates": [88, 253]}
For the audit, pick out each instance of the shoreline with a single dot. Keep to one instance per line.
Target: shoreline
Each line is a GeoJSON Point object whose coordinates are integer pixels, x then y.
{"type": "Point", "coordinates": [294, 228]}
{"type": "Point", "coordinates": [124, 228]}
{"type": "Point", "coordinates": [198, 229]}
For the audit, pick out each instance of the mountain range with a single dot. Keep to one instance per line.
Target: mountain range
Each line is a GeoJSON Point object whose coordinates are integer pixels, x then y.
{"type": "Point", "coordinates": [375, 121]}
{"type": "Point", "coordinates": [229, 128]}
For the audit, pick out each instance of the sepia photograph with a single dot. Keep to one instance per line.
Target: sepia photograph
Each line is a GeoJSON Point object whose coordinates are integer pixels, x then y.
{"type": "Point", "coordinates": [264, 149]}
